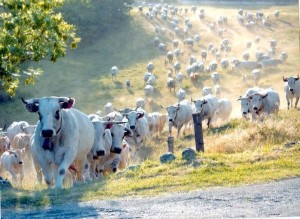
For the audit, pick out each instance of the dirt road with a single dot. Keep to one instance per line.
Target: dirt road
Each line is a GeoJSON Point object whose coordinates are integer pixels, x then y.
{"type": "Point", "coordinates": [273, 199]}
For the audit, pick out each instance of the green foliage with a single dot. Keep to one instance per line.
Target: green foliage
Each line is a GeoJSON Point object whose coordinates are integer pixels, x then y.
{"type": "Point", "coordinates": [31, 31]}
{"type": "Point", "coordinates": [94, 17]}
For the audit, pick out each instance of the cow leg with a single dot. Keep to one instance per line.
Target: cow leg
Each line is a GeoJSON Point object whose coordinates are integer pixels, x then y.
{"type": "Point", "coordinates": [296, 102]}
{"type": "Point", "coordinates": [14, 177]}
{"type": "Point", "coordinates": [288, 102]}
{"type": "Point", "coordinates": [21, 175]}
{"type": "Point", "coordinates": [47, 171]}
{"type": "Point", "coordinates": [62, 168]}
{"type": "Point", "coordinates": [178, 130]}
{"type": "Point", "coordinates": [80, 167]}
{"type": "Point", "coordinates": [208, 122]}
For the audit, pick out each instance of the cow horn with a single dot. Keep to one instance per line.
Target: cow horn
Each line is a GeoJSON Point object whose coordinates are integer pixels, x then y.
{"type": "Point", "coordinates": [24, 101]}
{"type": "Point", "coordinates": [162, 107]}
{"type": "Point", "coordinates": [284, 79]}
{"type": "Point", "coordinates": [4, 127]}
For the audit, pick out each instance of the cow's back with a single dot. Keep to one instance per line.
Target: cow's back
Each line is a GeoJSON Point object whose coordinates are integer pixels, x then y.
{"type": "Point", "coordinates": [272, 102]}
{"type": "Point", "coordinates": [184, 114]}
{"type": "Point", "coordinates": [210, 107]}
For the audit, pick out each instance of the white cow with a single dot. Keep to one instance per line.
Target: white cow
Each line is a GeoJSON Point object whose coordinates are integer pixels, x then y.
{"type": "Point", "coordinates": [22, 141]}
{"type": "Point", "coordinates": [181, 94]}
{"type": "Point", "coordinates": [140, 102]}
{"type": "Point", "coordinates": [108, 137]}
{"type": "Point", "coordinates": [215, 76]}
{"type": "Point", "coordinates": [292, 89]}
{"type": "Point", "coordinates": [224, 110]}
{"type": "Point", "coordinates": [255, 76]}
{"type": "Point", "coordinates": [265, 102]}
{"type": "Point", "coordinates": [179, 115]}
{"type": "Point", "coordinates": [148, 90]}
{"type": "Point", "coordinates": [108, 108]}
{"type": "Point", "coordinates": [19, 127]}
{"type": "Point", "coordinates": [207, 106]}
{"type": "Point", "coordinates": [113, 72]}
{"type": "Point", "coordinates": [206, 91]}
{"type": "Point", "coordinates": [217, 89]}
{"type": "Point", "coordinates": [156, 122]}
{"type": "Point", "coordinates": [4, 143]}
{"type": "Point", "coordinates": [63, 138]}
{"type": "Point", "coordinates": [12, 162]}
{"type": "Point", "coordinates": [246, 103]}
{"type": "Point", "coordinates": [139, 126]}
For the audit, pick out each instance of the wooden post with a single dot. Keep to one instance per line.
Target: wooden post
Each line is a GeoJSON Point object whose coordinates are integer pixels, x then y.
{"type": "Point", "coordinates": [197, 118]}
{"type": "Point", "coordinates": [171, 144]}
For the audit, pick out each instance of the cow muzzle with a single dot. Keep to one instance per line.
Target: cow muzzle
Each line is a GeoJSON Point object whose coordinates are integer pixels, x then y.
{"type": "Point", "coordinates": [116, 150]}
{"type": "Point", "coordinates": [48, 133]}
{"type": "Point", "coordinates": [101, 153]}
{"type": "Point", "coordinates": [47, 144]}
{"type": "Point", "coordinates": [244, 113]}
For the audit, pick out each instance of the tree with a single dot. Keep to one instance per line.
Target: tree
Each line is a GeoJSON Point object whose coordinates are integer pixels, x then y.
{"type": "Point", "coordinates": [31, 30]}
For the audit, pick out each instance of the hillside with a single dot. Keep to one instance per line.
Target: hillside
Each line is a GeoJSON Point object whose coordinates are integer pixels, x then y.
{"type": "Point", "coordinates": [236, 153]}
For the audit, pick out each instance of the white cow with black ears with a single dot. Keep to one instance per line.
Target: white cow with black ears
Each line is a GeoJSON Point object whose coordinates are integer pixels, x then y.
{"type": "Point", "coordinates": [62, 139]}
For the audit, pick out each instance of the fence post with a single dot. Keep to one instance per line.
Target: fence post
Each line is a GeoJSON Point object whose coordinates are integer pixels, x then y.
{"type": "Point", "coordinates": [197, 118]}
{"type": "Point", "coordinates": [171, 144]}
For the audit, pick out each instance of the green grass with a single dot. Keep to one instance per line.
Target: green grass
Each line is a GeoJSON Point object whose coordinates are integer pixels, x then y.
{"type": "Point", "coordinates": [240, 152]}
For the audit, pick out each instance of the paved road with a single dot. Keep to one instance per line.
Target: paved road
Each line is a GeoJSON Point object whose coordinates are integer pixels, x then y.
{"type": "Point", "coordinates": [275, 199]}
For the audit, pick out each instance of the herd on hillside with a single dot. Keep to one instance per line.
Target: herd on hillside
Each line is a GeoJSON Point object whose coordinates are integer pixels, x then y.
{"type": "Point", "coordinates": [66, 144]}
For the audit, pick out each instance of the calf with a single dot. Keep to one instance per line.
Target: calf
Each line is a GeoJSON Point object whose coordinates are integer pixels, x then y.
{"type": "Point", "coordinates": [292, 89]}
{"type": "Point", "coordinates": [12, 162]}
{"type": "Point", "coordinates": [4, 144]}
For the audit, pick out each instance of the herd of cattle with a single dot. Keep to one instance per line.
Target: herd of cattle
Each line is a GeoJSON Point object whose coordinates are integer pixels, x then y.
{"type": "Point", "coordinates": [68, 144]}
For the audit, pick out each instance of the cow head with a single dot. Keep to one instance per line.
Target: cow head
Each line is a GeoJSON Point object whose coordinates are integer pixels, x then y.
{"type": "Point", "coordinates": [291, 82]}
{"type": "Point", "coordinates": [172, 112]}
{"type": "Point", "coordinates": [257, 101]}
{"type": "Point", "coordinates": [50, 112]}
{"type": "Point", "coordinates": [118, 132]}
{"type": "Point", "coordinates": [245, 105]}
{"type": "Point", "coordinates": [199, 104]}
{"type": "Point", "coordinates": [133, 117]}
{"type": "Point", "coordinates": [17, 156]}
{"type": "Point", "coordinates": [4, 144]}
{"type": "Point", "coordinates": [102, 136]}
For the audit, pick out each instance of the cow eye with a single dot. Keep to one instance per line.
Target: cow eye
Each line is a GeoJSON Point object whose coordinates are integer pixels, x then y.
{"type": "Point", "coordinates": [57, 115]}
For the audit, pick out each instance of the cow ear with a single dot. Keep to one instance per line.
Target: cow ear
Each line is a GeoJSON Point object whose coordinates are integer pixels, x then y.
{"type": "Point", "coordinates": [239, 98]}
{"type": "Point", "coordinates": [264, 96]}
{"type": "Point", "coordinates": [68, 104]}
{"type": "Point", "coordinates": [284, 79]}
{"type": "Point", "coordinates": [32, 107]}
{"type": "Point", "coordinates": [127, 132]}
{"type": "Point", "coordinates": [140, 115]}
